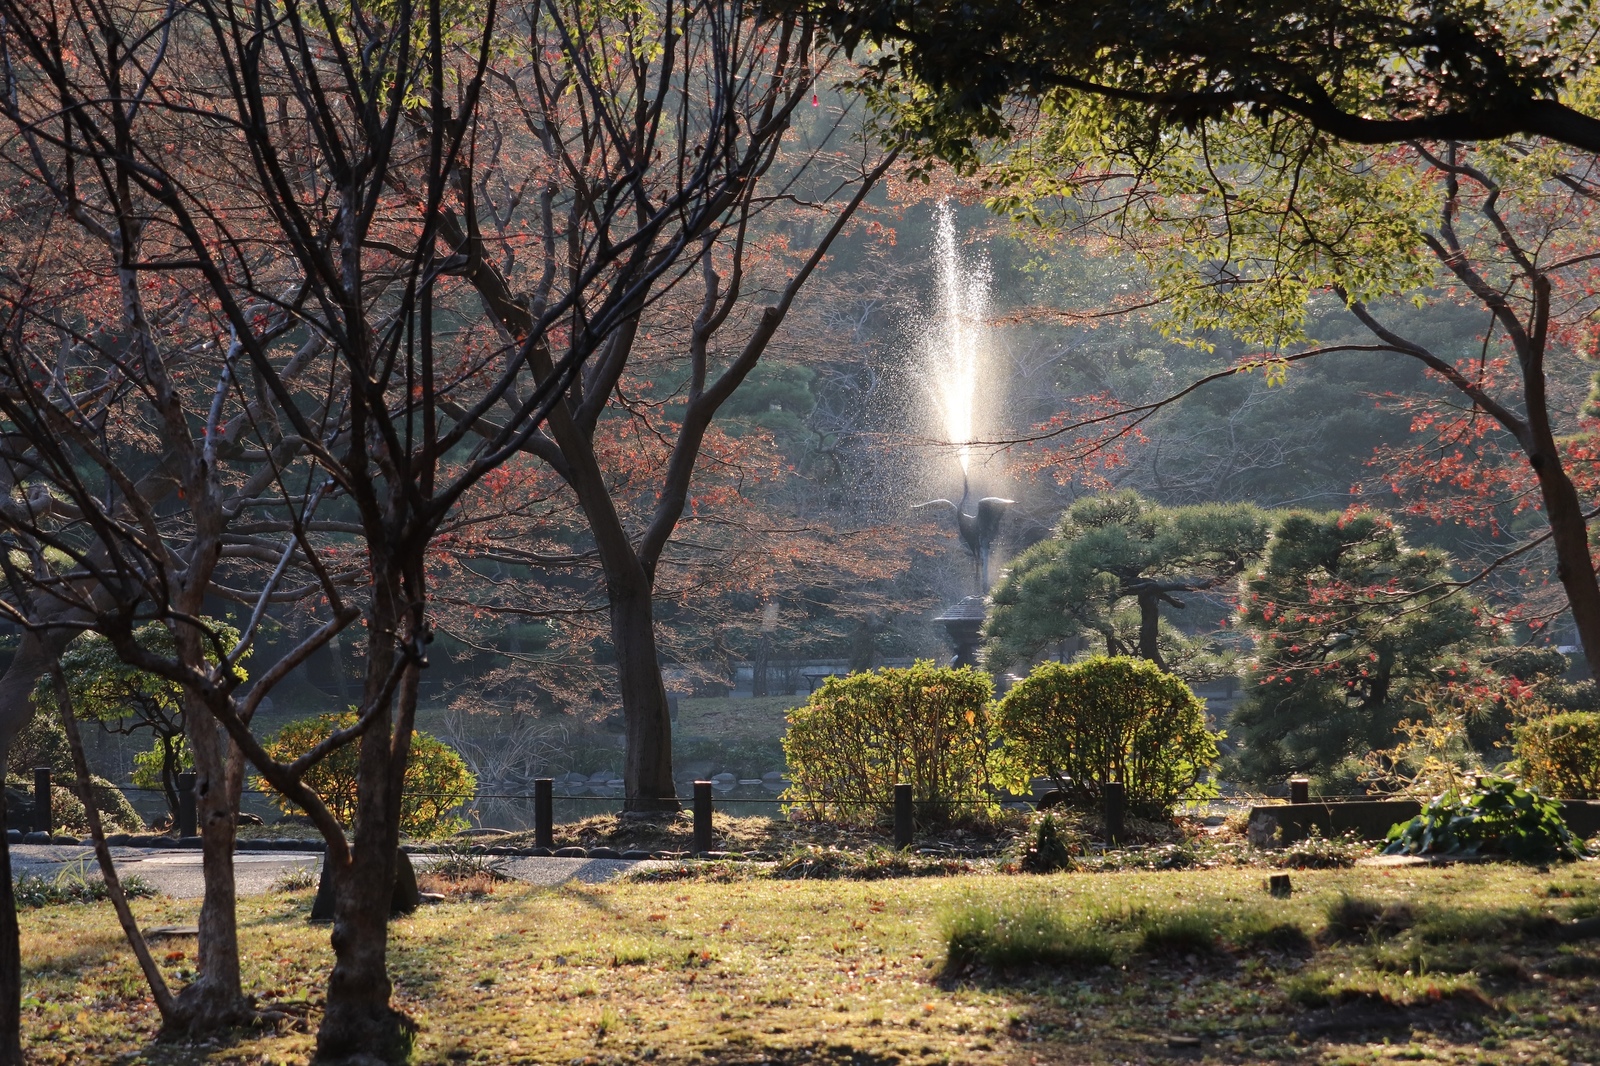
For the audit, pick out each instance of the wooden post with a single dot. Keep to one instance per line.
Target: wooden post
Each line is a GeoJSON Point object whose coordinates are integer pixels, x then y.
{"type": "Point", "coordinates": [544, 819]}
{"type": "Point", "coordinates": [1116, 805]}
{"type": "Point", "coordinates": [1299, 790]}
{"type": "Point", "coordinates": [702, 816]}
{"type": "Point", "coordinates": [186, 806]}
{"type": "Point", "coordinates": [41, 799]}
{"type": "Point", "coordinates": [903, 820]}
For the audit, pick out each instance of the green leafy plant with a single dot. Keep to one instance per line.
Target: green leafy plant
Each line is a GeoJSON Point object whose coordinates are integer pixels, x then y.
{"type": "Point", "coordinates": [1100, 720]}
{"type": "Point", "coordinates": [1560, 753]}
{"type": "Point", "coordinates": [1317, 852]}
{"type": "Point", "coordinates": [437, 780]}
{"type": "Point", "coordinates": [74, 883]}
{"type": "Point", "coordinates": [859, 736]}
{"type": "Point", "coordinates": [1500, 818]}
{"type": "Point", "coordinates": [1049, 846]}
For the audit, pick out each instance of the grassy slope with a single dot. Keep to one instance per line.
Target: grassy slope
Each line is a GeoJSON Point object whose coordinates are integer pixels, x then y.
{"type": "Point", "coordinates": [851, 972]}
{"type": "Point", "coordinates": [736, 721]}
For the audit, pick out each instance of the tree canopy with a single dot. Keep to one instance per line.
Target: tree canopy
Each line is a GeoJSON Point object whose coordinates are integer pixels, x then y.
{"type": "Point", "coordinates": [1351, 625]}
{"type": "Point", "coordinates": [1370, 71]}
{"type": "Point", "coordinates": [1107, 551]}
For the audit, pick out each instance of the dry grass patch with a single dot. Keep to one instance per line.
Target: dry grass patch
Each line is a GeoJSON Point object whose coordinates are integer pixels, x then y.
{"type": "Point", "coordinates": [1079, 968]}
{"type": "Point", "coordinates": [462, 875]}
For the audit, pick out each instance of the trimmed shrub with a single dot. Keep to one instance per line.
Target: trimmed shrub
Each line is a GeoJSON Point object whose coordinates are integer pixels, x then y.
{"type": "Point", "coordinates": [66, 809]}
{"type": "Point", "coordinates": [1103, 719]}
{"type": "Point", "coordinates": [860, 735]}
{"type": "Point", "coordinates": [1559, 754]}
{"type": "Point", "coordinates": [437, 779]}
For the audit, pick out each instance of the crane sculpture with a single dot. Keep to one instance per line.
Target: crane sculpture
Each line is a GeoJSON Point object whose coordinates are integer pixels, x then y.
{"type": "Point", "coordinates": [978, 530]}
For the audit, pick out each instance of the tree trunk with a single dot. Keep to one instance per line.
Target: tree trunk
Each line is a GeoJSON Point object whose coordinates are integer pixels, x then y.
{"type": "Point", "coordinates": [165, 1002]}
{"type": "Point", "coordinates": [647, 763]}
{"type": "Point", "coordinates": [358, 1024]}
{"type": "Point", "coordinates": [35, 652]}
{"type": "Point", "coordinates": [215, 999]}
{"type": "Point", "coordinates": [1569, 533]}
{"type": "Point", "coordinates": [10, 957]}
{"type": "Point", "coordinates": [1150, 627]}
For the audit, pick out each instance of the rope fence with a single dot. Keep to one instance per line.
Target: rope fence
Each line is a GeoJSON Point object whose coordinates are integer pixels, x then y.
{"type": "Point", "coordinates": [544, 798]}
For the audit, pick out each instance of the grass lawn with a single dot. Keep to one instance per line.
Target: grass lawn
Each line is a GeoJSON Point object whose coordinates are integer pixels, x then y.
{"type": "Point", "coordinates": [1459, 964]}
{"type": "Point", "coordinates": [734, 721]}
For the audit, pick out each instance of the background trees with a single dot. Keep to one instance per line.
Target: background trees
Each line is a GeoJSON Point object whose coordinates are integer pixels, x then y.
{"type": "Point", "coordinates": [627, 438]}
{"type": "Point", "coordinates": [1352, 626]}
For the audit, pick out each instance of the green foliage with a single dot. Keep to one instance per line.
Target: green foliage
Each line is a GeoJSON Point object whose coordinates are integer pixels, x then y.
{"type": "Point", "coordinates": [860, 735]}
{"type": "Point", "coordinates": [43, 742]}
{"type": "Point", "coordinates": [150, 768]}
{"type": "Point", "coordinates": [1500, 818]}
{"type": "Point", "coordinates": [66, 810]}
{"type": "Point", "coordinates": [1352, 626]}
{"type": "Point", "coordinates": [73, 884]}
{"type": "Point", "coordinates": [436, 782]}
{"type": "Point", "coordinates": [945, 72]}
{"type": "Point", "coordinates": [1106, 719]}
{"type": "Point", "coordinates": [1559, 754]}
{"type": "Point", "coordinates": [1048, 846]}
{"type": "Point", "coordinates": [1114, 551]}
{"type": "Point", "coordinates": [106, 689]}
{"type": "Point", "coordinates": [1317, 852]}
{"type": "Point", "coordinates": [776, 397]}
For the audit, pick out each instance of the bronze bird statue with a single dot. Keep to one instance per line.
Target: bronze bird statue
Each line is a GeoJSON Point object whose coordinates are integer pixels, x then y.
{"type": "Point", "coordinates": [977, 530]}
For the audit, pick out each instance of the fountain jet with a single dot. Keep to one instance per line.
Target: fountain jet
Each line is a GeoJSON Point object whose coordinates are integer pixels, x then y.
{"type": "Point", "coordinates": [964, 297]}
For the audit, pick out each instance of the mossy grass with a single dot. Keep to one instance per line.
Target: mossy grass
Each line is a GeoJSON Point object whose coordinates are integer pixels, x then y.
{"type": "Point", "coordinates": [1075, 967]}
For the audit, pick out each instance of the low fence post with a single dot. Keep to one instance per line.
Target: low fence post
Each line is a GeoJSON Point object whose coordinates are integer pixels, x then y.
{"type": "Point", "coordinates": [41, 799]}
{"type": "Point", "coordinates": [186, 806]}
{"type": "Point", "coordinates": [1116, 805]}
{"type": "Point", "coordinates": [544, 830]}
{"type": "Point", "coordinates": [1299, 790]}
{"type": "Point", "coordinates": [702, 816]}
{"type": "Point", "coordinates": [903, 820]}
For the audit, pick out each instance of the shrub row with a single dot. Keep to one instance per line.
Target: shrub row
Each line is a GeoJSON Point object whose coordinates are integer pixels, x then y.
{"type": "Point", "coordinates": [1082, 725]}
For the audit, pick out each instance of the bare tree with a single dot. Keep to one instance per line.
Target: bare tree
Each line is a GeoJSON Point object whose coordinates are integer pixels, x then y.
{"type": "Point", "coordinates": [303, 177]}
{"type": "Point", "coordinates": [721, 85]}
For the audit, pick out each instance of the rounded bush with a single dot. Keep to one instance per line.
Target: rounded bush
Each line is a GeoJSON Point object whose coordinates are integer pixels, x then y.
{"type": "Point", "coordinates": [437, 779]}
{"type": "Point", "coordinates": [1559, 754]}
{"type": "Point", "coordinates": [860, 735]}
{"type": "Point", "coordinates": [1104, 719]}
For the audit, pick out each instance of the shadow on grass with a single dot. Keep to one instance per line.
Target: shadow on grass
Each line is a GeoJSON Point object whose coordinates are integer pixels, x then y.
{"type": "Point", "coordinates": [1367, 971]}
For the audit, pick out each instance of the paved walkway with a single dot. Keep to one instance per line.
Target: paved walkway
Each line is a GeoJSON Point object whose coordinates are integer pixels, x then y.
{"type": "Point", "coordinates": [177, 873]}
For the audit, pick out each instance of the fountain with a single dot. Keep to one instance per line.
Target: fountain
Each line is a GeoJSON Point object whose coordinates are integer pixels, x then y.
{"type": "Point", "coordinates": [953, 370]}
